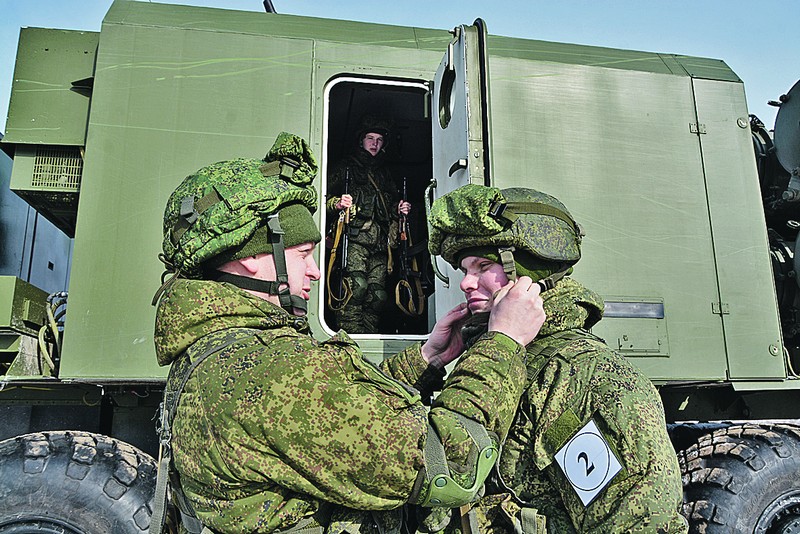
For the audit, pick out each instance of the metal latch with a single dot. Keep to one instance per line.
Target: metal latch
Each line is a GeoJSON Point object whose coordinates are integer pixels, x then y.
{"type": "Point", "coordinates": [697, 128]}
{"type": "Point", "coordinates": [721, 308]}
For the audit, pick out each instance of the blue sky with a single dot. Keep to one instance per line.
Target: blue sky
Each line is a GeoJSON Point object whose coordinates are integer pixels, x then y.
{"type": "Point", "coordinates": [760, 41]}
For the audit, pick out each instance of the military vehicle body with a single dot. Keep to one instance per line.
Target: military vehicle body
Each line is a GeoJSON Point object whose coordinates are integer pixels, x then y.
{"type": "Point", "coordinates": [654, 154]}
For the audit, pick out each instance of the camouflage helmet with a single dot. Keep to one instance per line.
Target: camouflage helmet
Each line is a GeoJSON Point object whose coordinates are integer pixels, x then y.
{"type": "Point", "coordinates": [221, 206]}
{"type": "Point", "coordinates": [374, 124]}
{"type": "Point", "coordinates": [518, 219]}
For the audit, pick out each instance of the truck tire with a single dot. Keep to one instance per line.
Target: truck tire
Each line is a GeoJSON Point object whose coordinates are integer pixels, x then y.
{"type": "Point", "coordinates": [74, 483]}
{"type": "Point", "coordinates": [743, 478]}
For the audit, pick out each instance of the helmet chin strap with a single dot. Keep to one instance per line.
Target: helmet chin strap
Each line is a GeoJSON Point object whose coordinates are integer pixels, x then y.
{"type": "Point", "coordinates": [507, 260]}
{"type": "Point", "coordinates": [510, 268]}
{"type": "Point", "coordinates": [272, 287]}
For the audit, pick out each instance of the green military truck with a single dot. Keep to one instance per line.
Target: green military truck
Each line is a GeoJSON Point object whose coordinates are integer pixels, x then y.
{"type": "Point", "coordinates": [690, 208]}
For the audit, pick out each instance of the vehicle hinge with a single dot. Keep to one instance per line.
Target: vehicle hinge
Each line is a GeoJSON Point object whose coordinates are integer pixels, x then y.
{"type": "Point", "coordinates": [697, 128]}
{"type": "Point", "coordinates": [720, 308]}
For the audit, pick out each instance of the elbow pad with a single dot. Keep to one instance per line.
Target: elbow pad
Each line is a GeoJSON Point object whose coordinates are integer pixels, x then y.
{"type": "Point", "coordinates": [436, 487]}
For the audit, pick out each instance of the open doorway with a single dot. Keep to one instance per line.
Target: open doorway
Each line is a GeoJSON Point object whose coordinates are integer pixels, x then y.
{"type": "Point", "coordinates": [400, 110]}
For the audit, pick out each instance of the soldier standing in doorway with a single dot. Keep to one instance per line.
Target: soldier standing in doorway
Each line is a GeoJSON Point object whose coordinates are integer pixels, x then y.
{"type": "Point", "coordinates": [375, 205]}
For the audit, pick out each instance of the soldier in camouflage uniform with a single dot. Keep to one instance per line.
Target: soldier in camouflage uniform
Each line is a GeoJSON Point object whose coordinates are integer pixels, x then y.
{"type": "Point", "coordinates": [276, 431]}
{"type": "Point", "coordinates": [588, 450]}
{"type": "Point", "coordinates": [377, 204]}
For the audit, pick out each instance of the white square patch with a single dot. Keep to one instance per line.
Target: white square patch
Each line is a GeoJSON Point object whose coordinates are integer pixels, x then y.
{"type": "Point", "coordinates": [588, 462]}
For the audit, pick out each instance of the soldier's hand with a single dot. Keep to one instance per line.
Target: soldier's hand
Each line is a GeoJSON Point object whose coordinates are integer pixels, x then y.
{"type": "Point", "coordinates": [444, 344]}
{"type": "Point", "coordinates": [518, 310]}
{"type": "Point", "coordinates": [345, 202]}
{"type": "Point", "coordinates": [404, 207]}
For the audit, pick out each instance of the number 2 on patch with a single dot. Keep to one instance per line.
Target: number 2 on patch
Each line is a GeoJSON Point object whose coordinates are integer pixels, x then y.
{"type": "Point", "coordinates": [588, 462]}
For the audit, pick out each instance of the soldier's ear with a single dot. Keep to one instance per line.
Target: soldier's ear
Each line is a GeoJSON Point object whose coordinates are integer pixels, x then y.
{"type": "Point", "coordinates": [250, 264]}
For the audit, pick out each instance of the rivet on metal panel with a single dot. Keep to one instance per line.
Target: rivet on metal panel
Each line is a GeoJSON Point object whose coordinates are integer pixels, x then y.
{"type": "Point", "coordinates": [742, 122]}
{"type": "Point", "coordinates": [774, 350]}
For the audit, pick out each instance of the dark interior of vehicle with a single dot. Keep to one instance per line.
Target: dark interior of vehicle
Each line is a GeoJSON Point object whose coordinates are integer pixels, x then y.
{"type": "Point", "coordinates": [409, 159]}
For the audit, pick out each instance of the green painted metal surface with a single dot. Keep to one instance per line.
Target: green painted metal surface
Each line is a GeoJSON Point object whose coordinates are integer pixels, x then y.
{"type": "Point", "coordinates": [23, 306]}
{"type": "Point", "coordinates": [610, 132]}
{"type": "Point", "coordinates": [46, 108]}
{"type": "Point", "coordinates": [750, 319]}
{"type": "Point", "coordinates": [167, 101]}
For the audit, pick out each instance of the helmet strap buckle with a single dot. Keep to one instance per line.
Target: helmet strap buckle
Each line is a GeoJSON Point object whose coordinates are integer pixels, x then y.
{"type": "Point", "coordinates": [500, 212]}
{"type": "Point", "coordinates": [507, 261]}
{"type": "Point", "coordinates": [188, 213]}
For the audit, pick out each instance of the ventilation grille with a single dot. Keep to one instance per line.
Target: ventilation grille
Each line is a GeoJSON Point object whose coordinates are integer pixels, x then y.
{"type": "Point", "coordinates": [57, 168]}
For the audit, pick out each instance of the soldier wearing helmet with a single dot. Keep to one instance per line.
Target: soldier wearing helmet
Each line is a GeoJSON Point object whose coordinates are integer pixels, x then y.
{"type": "Point", "coordinates": [362, 181]}
{"type": "Point", "coordinates": [588, 450]}
{"type": "Point", "coordinates": [263, 428]}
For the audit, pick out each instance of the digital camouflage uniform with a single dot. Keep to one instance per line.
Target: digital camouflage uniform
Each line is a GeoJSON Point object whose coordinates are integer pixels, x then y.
{"type": "Point", "coordinates": [375, 197]}
{"type": "Point", "coordinates": [275, 430]}
{"type": "Point", "coordinates": [573, 378]}
{"type": "Point", "coordinates": [275, 424]}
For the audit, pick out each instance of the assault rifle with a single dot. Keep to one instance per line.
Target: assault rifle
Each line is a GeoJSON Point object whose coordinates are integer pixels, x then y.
{"type": "Point", "coordinates": [408, 292]}
{"type": "Point", "coordinates": [339, 291]}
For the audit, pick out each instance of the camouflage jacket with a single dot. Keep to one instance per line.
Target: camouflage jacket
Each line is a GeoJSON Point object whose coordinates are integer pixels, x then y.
{"type": "Point", "coordinates": [275, 424]}
{"type": "Point", "coordinates": [575, 378]}
{"type": "Point", "coordinates": [375, 210]}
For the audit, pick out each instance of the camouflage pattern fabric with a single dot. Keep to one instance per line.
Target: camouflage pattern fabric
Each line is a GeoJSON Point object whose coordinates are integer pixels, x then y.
{"type": "Point", "coordinates": [275, 425]}
{"type": "Point", "coordinates": [589, 379]}
{"type": "Point", "coordinates": [461, 219]}
{"type": "Point", "coordinates": [221, 205]}
{"type": "Point", "coordinates": [366, 272]}
{"type": "Point", "coordinates": [369, 236]}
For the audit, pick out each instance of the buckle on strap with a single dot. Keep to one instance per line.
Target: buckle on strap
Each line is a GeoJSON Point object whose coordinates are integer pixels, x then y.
{"type": "Point", "coordinates": [500, 212]}
{"type": "Point", "coordinates": [507, 260]}
{"type": "Point", "coordinates": [283, 167]}
{"type": "Point", "coordinates": [190, 210]}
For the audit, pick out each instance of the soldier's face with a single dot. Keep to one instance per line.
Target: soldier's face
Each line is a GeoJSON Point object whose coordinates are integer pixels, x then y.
{"type": "Point", "coordinates": [482, 279]}
{"type": "Point", "coordinates": [301, 269]}
{"type": "Point", "coordinates": [372, 143]}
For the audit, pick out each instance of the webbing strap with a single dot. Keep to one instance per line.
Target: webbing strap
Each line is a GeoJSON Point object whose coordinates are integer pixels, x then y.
{"type": "Point", "coordinates": [510, 211]}
{"type": "Point", "coordinates": [550, 282]}
{"type": "Point", "coordinates": [435, 458]}
{"type": "Point", "coordinates": [531, 521]}
{"type": "Point", "coordinates": [178, 370]}
{"type": "Point", "coordinates": [441, 489]}
{"type": "Point", "coordinates": [284, 167]}
{"type": "Point", "coordinates": [416, 307]}
{"type": "Point", "coordinates": [278, 253]}
{"type": "Point", "coordinates": [160, 497]}
{"type": "Point", "coordinates": [379, 193]}
{"type": "Point", "coordinates": [469, 520]}
{"type": "Point", "coordinates": [191, 209]}
{"type": "Point", "coordinates": [336, 301]}
{"type": "Point", "coordinates": [507, 260]}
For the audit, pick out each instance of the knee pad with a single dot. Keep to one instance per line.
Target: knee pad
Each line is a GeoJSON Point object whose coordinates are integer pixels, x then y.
{"type": "Point", "coordinates": [377, 297]}
{"type": "Point", "coordinates": [358, 284]}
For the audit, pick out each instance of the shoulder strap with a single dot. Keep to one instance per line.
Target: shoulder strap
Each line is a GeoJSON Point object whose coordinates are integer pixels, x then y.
{"type": "Point", "coordinates": [179, 372]}
{"type": "Point", "coordinates": [380, 194]}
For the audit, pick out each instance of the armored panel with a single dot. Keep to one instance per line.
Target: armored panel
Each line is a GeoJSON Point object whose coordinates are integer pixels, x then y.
{"type": "Point", "coordinates": [51, 86]}
{"type": "Point", "coordinates": [748, 305]}
{"type": "Point", "coordinates": [615, 146]}
{"type": "Point", "coordinates": [167, 100]}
